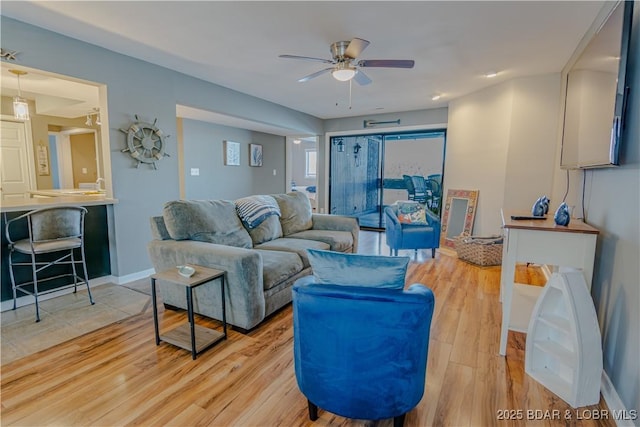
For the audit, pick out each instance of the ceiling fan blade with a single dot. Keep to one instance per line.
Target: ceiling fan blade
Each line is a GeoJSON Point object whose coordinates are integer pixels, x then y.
{"type": "Point", "coordinates": [314, 75]}
{"type": "Point", "coordinates": [306, 58]}
{"type": "Point", "coordinates": [355, 48]}
{"type": "Point", "coordinates": [387, 63]}
{"type": "Point", "coordinates": [361, 78]}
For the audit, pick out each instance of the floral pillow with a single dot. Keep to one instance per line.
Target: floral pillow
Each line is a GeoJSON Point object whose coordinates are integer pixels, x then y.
{"type": "Point", "coordinates": [411, 212]}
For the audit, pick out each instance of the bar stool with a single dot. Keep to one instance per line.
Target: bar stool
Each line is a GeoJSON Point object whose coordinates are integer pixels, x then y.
{"type": "Point", "coordinates": [51, 230]}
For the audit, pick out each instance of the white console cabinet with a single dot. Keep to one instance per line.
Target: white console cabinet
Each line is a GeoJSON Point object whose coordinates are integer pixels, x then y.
{"type": "Point", "coordinates": [564, 350]}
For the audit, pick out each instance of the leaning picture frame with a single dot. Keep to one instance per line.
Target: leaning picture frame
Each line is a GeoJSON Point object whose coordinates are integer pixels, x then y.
{"type": "Point", "coordinates": [458, 216]}
{"type": "Point", "coordinates": [231, 153]}
{"type": "Point", "coordinates": [255, 155]}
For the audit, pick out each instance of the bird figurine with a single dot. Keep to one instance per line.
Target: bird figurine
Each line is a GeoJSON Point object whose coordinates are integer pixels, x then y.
{"type": "Point", "coordinates": [562, 216]}
{"type": "Point", "coordinates": [540, 207]}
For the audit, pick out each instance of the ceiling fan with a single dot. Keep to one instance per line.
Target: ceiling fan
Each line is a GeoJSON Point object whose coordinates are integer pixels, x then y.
{"type": "Point", "coordinates": [344, 65]}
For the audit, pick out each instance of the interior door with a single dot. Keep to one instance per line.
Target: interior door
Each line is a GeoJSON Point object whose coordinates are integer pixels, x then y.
{"type": "Point", "coordinates": [15, 172]}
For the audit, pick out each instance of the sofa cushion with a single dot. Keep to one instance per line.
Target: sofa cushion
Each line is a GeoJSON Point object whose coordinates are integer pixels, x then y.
{"type": "Point", "coordinates": [269, 229]}
{"type": "Point", "coordinates": [299, 246]}
{"type": "Point", "coordinates": [358, 270]}
{"type": "Point", "coordinates": [341, 241]}
{"type": "Point", "coordinates": [213, 221]}
{"type": "Point", "coordinates": [295, 212]}
{"type": "Point", "coordinates": [278, 266]}
{"type": "Point", "coordinates": [158, 229]}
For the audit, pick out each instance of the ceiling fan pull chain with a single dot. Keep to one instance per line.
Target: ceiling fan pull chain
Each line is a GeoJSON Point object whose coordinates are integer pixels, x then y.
{"type": "Point", "coordinates": [350, 94]}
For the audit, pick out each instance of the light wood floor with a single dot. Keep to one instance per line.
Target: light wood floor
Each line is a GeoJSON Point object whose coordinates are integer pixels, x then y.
{"type": "Point", "coordinates": [117, 376]}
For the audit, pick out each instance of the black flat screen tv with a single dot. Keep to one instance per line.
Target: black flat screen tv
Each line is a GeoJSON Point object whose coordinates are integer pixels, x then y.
{"type": "Point", "coordinates": [597, 91]}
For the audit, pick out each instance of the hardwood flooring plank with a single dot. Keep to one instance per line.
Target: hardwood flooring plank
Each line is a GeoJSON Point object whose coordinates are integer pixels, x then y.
{"type": "Point", "coordinates": [456, 398]}
{"type": "Point", "coordinates": [466, 341]}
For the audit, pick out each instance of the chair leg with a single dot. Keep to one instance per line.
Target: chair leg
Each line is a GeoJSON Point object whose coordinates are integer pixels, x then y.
{"type": "Point", "coordinates": [313, 411]}
{"type": "Point", "coordinates": [73, 270]}
{"type": "Point", "coordinates": [433, 252]}
{"type": "Point", "coordinates": [13, 280]}
{"type": "Point", "coordinates": [399, 420]}
{"type": "Point", "coordinates": [35, 286]}
{"type": "Point", "coordinates": [86, 276]}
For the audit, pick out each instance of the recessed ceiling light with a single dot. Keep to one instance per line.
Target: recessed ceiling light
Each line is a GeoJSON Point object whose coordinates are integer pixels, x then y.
{"type": "Point", "coordinates": [491, 74]}
{"type": "Point", "coordinates": [296, 141]}
{"type": "Point", "coordinates": [436, 97]}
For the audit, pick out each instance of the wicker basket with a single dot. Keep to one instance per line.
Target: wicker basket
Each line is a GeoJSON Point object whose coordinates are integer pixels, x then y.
{"type": "Point", "coordinates": [479, 250]}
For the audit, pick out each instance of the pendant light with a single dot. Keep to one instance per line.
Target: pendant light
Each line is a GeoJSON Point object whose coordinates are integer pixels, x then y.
{"type": "Point", "coordinates": [20, 106]}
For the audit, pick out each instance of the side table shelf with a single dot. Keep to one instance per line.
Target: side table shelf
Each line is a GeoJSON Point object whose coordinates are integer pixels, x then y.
{"type": "Point", "coordinates": [563, 350]}
{"type": "Point", "coordinates": [190, 336]}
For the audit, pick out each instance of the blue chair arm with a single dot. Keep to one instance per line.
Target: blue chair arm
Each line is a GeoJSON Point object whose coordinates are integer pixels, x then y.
{"type": "Point", "coordinates": [418, 288]}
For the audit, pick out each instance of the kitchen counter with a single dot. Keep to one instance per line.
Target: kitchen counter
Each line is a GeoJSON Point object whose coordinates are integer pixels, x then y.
{"type": "Point", "coordinates": [55, 192]}
{"type": "Point", "coordinates": [28, 204]}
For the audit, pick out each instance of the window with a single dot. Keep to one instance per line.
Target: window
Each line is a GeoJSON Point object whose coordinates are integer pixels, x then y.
{"type": "Point", "coordinates": [310, 163]}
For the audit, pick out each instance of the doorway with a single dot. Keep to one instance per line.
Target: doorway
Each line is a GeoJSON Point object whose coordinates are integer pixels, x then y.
{"type": "Point", "coordinates": [302, 167]}
{"type": "Point", "coordinates": [17, 174]}
{"type": "Point", "coordinates": [366, 172]}
{"type": "Point", "coordinates": [74, 158]}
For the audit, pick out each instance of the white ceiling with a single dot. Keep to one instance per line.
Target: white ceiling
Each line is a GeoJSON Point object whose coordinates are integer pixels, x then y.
{"type": "Point", "coordinates": [236, 44]}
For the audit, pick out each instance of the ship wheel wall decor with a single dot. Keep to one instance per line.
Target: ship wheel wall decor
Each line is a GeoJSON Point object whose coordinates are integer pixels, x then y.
{"type": "Point", "coordinates": [145, 142]}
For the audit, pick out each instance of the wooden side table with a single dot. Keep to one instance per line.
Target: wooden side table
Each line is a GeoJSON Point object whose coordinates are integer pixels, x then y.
{"type": "Point", "coordinates": [184, 336]}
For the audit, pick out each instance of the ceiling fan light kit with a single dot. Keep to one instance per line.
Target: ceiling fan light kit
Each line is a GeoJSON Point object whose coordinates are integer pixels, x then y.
{"type": "Point", "coordinates": [345, 67]}
{"type": "Point", "coordinates": [343, 72]}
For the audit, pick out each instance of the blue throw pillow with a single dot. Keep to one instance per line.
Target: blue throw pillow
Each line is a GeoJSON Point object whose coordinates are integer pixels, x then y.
{"type": "Point", "coordinates": [337, 268]}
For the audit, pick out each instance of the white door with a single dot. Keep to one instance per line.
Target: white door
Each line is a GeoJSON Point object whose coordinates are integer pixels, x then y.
{"type": "Point", "coordinates": [15, 171]}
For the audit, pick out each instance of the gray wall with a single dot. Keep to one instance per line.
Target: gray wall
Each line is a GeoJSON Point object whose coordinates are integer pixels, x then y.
{"type": "Point", "coordinates": [138, 87]}
{"type": "Point", "coordinates": [203, 149]}
{"type": "Point", "coordinates": [612, 203]}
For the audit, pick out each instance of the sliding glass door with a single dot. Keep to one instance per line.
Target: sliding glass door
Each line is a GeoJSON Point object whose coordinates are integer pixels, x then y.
{"type": "Point", "coordinates": [366, 172]}
{"type": "Point", "coordinates": [354, 187]}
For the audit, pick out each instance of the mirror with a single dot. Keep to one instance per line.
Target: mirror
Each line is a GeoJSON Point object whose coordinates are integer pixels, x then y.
{"type": "Point", "coordinates": [61, 145]}
{"type": "Point", "coordinates": [458, 215]}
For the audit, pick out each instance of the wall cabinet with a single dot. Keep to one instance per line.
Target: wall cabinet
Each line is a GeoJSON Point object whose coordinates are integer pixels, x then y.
{"type": "Point", "coordinates": [564, 350]}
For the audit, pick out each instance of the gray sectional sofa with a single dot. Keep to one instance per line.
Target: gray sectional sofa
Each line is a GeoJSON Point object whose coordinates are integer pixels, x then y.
{"type": "Point", "coordinates": [262, 258]}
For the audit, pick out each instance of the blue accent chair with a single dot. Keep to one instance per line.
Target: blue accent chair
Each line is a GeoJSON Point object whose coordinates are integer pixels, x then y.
{"type": "Point", "coordinates": [361, 352]}
{"type": "Point", "coordinates": [411, 236]}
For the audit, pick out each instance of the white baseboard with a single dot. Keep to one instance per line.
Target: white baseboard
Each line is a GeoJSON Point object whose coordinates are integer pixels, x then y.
{"type": "Point", "coordinates": [121, 280]}
{"type": "Point", "coordinates": [617, 410]}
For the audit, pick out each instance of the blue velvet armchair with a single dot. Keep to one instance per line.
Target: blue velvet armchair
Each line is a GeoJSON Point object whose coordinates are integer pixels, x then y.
{"type": "Point", "coordinates": [361, 352]}
{"type": "Point", "coordinates": [411, 236]}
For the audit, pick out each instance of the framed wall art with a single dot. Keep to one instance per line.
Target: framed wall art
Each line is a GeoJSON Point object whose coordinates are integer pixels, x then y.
{"type": "Point", "coordinates": [43, 160]}
{"type": "Point", "coordinates": [231, 153]}
{"type": "Point", "coordinates": [255, 155]}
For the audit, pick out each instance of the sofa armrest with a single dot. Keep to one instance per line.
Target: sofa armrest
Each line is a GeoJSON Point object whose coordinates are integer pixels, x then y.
{"type": "Point", "coordinates": [244, 285]}
{"type": "Point", "coordinates": [338, 223]}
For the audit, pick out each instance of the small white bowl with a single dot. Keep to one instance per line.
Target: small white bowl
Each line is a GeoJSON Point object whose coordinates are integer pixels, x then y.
{"type": "Point", "coordinates": [186, 271]}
